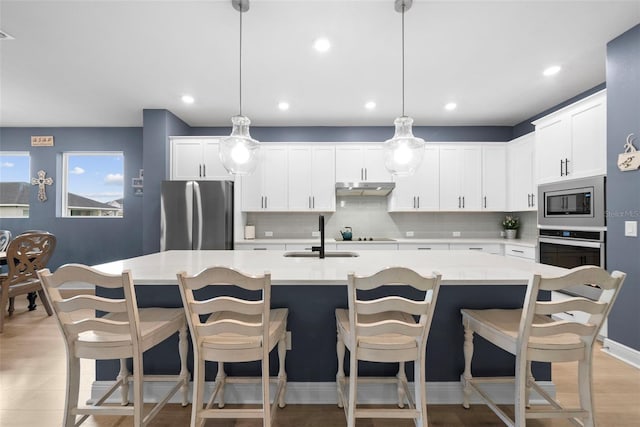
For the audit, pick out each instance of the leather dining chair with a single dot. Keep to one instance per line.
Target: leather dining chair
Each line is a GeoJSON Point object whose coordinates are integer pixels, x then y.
{"type": "Point", "coordinates": [26, 254]}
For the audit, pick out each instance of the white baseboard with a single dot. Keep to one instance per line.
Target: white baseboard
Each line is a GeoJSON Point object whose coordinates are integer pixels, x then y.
{"type": "Point", "coordinates": [622, 352]}
{"type": "Point", "coordinates": [438, 393]}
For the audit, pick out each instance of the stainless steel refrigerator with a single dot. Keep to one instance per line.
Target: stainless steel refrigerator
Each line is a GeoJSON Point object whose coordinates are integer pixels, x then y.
{"type": "Point", "coordinates": [196, 215]}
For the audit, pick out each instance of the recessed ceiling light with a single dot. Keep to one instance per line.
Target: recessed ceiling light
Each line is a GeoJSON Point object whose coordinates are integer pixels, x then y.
{"type": "Point", "coordinates": [555, 69]}
{"type": "Point", "coordinates": [451, 106]}
{"type": "Point", "coordinates": [187, 99]}
{"type": "Point", "coordinates": [370, 105]}
{"type": "Point", "coordinates": [284, 106]}
{"type": "Point", "coordinates": [322, 45]}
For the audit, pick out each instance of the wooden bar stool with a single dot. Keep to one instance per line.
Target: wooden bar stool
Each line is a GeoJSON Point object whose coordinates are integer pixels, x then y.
{"type": "Point", "coordinates": [531, 334]}
{"type": "Point", "coordinates": [229, 329]}
{"type": "Point", "coordinates": [125, 331]}
{"type": "Point", "coordinates": [385, 330]}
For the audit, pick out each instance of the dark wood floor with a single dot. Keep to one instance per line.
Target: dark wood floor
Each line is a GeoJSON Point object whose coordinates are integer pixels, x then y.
{"type": "Point", "coordinates": [32, 384]}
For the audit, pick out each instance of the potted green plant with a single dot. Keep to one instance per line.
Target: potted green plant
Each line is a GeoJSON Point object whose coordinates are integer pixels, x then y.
{"type": "Point", "coordinates": [511, 225]}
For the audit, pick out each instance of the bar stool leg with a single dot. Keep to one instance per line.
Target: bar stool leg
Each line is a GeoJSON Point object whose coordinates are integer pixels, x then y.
{"type": "Point", "coordinates": [183, 348]}
{"type": "Point", "coordinates": [123, 378]}
{"type": "Point", "coordinates": [282, 373]}
{"type": "Point", "coordinates": [340, 350]}
{"type": "Point", "coordinates": [468, 355]}
{"type": "Point", "coordinates": [401, 381]}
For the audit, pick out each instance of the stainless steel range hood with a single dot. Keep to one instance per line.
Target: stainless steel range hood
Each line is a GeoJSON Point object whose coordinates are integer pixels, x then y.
{"type": "Point", "coordinates": [364, 188]}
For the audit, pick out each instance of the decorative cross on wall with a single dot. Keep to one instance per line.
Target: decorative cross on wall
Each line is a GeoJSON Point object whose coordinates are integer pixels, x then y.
{"type": "Point", "coordinates": [40, 181]}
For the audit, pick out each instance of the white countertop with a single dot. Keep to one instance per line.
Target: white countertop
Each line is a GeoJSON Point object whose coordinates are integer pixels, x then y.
{"type": "Point", "coordinates": [456, 267]}
{"type": "Point", "coordinates": [451, 240]}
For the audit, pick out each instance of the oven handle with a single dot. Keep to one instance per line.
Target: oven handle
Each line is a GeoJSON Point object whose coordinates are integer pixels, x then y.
{"type": "Point", "coordinates": [565, 242]}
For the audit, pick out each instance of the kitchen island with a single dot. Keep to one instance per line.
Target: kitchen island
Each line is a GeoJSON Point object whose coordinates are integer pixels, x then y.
{"type": "Point", "coordinates": [313, 288]}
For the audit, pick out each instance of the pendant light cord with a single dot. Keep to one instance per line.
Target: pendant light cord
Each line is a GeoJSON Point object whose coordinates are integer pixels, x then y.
{"type": "Point", "coordinates": [403, 7]}
{"type": "Point", "coordinates": [240, 56]}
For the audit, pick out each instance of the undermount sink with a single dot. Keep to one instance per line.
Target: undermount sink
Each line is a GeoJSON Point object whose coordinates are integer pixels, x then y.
{"type": "Point", "coordinates": [317, 254]}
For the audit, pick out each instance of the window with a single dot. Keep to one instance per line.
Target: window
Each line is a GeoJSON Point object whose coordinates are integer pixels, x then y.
{"type": "Point", "coordinates": [14, 184]}
{"type": "Point", "coordinates": [93, 184]}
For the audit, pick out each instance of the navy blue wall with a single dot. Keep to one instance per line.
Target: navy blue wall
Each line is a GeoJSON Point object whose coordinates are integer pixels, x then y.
{"type": "Point", "coordinates": [158, 125]}
{"type": "Point", "coordinates": [84, 240]}
{"type": "Point", "coordinates": [365, 134]}
{"type": "Point", "coordinates": [623, 188]}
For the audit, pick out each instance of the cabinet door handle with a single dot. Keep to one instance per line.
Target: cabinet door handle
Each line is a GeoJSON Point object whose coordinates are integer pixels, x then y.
{"type": "Point", "coordinates": [462, 202]}
{"type": "Point", "coordinates": [200, 170]}
{"type": "Point", "coordinates": [259, 249]}
{"type": "Point", "coordinates": [418, 202]}
{"type": "Point", "coordinates": [266, 202]}
{"type": "Point", "coordinates": [517, 251]}
{"type": "Point", "coordinates": [204, 171]}
{"type": "Point", "coordinates": [414, 202]}
{"type": "Point", "coordinates": [361, 174]}
{"type": "Point", "coordinates": [365, 174]}
{"type": "Point", "coordinates": [485, 202]}
{"type": "Point", "coordinates": [313, 202]}
{"type": "Point", "coordinates": [528, 200]}
{"type": "Point", "coordinates": [475, 249]}
{"type": "Point", "coordinates": [566, 167]}
{"type": "Point", "coordinates": [533, 200]}
{"type": "Point", "coordinates": [424, 249]}
{"type": "Point", "coordinates": [561, 167]}
{"type": "Point", "coordinates": [261, 202]}
{"type": "Point", "coordinates": [459, 202]}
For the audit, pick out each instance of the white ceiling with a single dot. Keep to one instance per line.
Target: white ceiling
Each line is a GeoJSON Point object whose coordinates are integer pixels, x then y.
{"type": "Point", "coordinates": [100, 63]}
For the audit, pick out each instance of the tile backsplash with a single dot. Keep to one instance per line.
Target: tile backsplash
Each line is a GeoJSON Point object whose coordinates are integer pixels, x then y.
{"type": "Point", "coordinates": [368, 217]}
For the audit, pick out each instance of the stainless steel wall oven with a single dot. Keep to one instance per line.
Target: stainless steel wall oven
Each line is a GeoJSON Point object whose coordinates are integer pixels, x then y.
{"type": "Point", "coordinates": [572, 248]}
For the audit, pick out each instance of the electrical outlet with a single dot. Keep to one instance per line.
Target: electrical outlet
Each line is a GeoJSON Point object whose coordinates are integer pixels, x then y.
{"type": "Point", "coordinates": [288, 340]}
{"type": "Point", "coordinates": [409, 233]}
{"type": "Point", "coordinates": [268, 234]}
{"type": "Point", "coordinates": [631, 228]}
{"type": "Point", "coordinates": [456, 234]}
{"type": "Point", "coordinates": [315, 234]}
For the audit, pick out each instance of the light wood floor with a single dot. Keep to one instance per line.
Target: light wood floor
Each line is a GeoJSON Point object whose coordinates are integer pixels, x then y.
{"type": "Point", "coordinates": [32, 387]}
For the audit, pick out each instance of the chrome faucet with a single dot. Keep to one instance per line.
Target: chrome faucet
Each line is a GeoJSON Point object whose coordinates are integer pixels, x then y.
{"type": "Point", "coordinates": [321, 247]}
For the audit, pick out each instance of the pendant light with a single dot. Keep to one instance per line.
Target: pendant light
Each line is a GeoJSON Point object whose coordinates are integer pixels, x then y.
{"type": "Point", "coordinates": [404, 152]}
{"type": "Point", "coordinates": [239, 152]}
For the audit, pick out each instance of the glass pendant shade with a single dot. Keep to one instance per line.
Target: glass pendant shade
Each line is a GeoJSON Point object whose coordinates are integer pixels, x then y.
{"type": "Point", "coordinates": [404, 152]}
{"type": "Point", "coordinates": [238, 151]}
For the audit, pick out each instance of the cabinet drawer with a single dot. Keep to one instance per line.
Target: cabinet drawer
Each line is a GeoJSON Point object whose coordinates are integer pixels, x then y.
{"type": "Point", "coordinates": [307, 247]}
{"type": "Point", "coordinates": [492, 248]}
{"type": "Point", "coordinates": [526, 252]}
{"type": "Point", "coordinates": [423, 246]}
{"type": "Point", "coordinates": [366, 246]}
{"type": "Point", "coordinates": [261, 247]}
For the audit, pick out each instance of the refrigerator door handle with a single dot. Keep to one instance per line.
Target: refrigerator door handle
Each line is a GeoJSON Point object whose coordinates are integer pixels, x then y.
{"type": "Point", "coordinates": [197, 216]}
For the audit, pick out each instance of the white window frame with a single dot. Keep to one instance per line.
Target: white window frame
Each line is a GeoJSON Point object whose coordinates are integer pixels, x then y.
{"type": "Point", "coordinates": [28, 155]}
{"type": "Point", "coordinates": [64, 179]}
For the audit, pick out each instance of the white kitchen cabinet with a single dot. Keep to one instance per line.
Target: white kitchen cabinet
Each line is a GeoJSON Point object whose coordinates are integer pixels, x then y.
{"type": "Point", "coordinates": [267, 188]}
{"type": "Point", "coordinates": [361, 163]}
{"type": "Point", "coordinates": [423, 246]}
{"type": "Point", "coordinates": [196, 158]}
{"type": "Point", "coordinates": [572, 142]}
{"type": "Point", "coordinates": [420, 191]}
{"type": "Point", "coordinates": [494, 177]}
{"type": "Point", "coordinates": [460, 178]}
{"type": "Point", "coordinates": [312, 178]}
{"type": "Point", "coordinates": [492, 248]}
{"type": "Point", "coordinates": [527, 253]}
{"type": "Point", "coordinates": [521, 182]}
{"type": "Point", "coordinates": [367, 246]}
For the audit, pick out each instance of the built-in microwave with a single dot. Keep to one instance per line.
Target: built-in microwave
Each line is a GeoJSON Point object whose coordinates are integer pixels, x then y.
{"type": "Point", "coordinates": [574, 204]}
